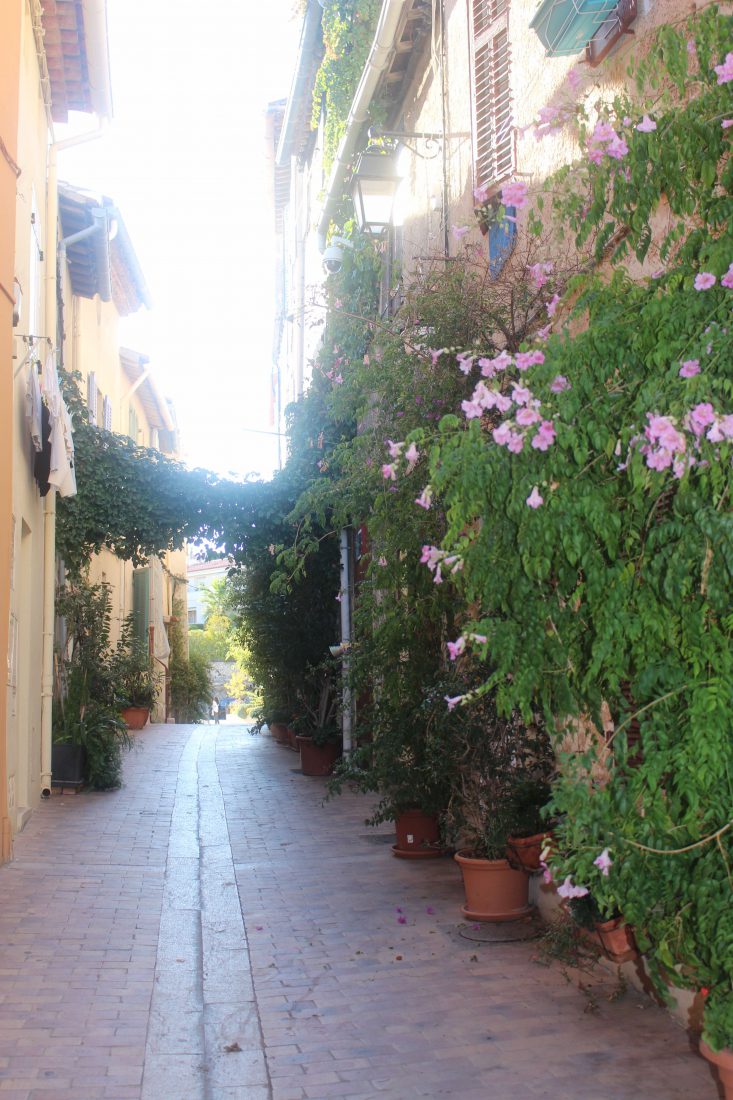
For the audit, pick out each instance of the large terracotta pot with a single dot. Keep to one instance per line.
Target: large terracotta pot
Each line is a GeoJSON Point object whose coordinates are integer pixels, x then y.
{"type": "Point", "coordinates": [525, 851]}
{"type": "Point", "coordinates": [494, 890]}
{"type": "Point", "coordinates": [279, 731]}
{"type": "Point", "coordinates": [317, 759]}
{"type": "Point", "coordinates": [292, 739]}
{"type": "Point", "coordinates": [418, 835]}
{"type": "Point", "coordinates": [135, 718]}
{"type": "Point", "coordinates": [723, 1062]}
{"type": "Point", "coordinates": [617, 940]}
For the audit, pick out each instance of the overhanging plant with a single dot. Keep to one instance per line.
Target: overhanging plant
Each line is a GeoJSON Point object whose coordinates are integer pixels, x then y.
{"type": "Point", "coordinates": [587, 489]}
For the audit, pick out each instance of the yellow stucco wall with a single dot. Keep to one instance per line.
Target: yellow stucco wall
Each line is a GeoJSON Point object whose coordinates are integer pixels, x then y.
{"type": "Point", "coordinates": [10, 36]}
{"type": "Point", "coordinates": [93, 344]}
{"type": "Point", "coordinates": [31, 265]}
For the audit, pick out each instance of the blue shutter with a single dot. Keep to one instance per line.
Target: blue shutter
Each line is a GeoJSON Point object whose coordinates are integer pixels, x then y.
{"type": "Point", "coordinates": [502, 236]}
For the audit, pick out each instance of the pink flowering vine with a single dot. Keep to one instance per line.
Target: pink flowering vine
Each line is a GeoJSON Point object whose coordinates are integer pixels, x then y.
{"type": "Point", "coordinates": [705, 280]}
{"type": "Point", "coordinates": [540, 274]}
{"type": "Point", "coordinates": [425, 500]}
{"type": "Point", "coordinates": [515, 194]}
{"type": "Point", "coordinates": [526, 359]}
{"type": "Point", "coordinates": [412, 454]}
{"type": "Point", "coordinates": [725, 71]}
{"type": "Point", "coordinates": [603, 862]}
{"type": "Point", "coordinates": [568, 890]}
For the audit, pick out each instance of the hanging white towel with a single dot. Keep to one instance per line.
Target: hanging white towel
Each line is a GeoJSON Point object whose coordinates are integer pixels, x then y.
{"type": "Point", "coordinates": [62, 474]}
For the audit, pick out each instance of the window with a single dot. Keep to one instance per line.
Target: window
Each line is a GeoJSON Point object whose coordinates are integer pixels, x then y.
{"type": "Point", "coordinates": [92, 396]}
{"type": "Point", "coordinates": [494, 137]}
{"type": "Point", "coordinates": [192, 616]}
{"type": "Point", "coordinates": [107, 414]}
{"type": "Point", "coordinates": [141, 603]}
{"type": "Point", "coordinates": [133, 426]}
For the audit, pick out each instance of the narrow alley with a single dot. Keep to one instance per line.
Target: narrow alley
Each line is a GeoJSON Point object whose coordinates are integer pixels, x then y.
{"type": "Point", "coordinates": [214, 931]}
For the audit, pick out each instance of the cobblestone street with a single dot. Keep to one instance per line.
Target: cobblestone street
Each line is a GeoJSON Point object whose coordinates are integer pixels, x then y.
{"type": "Point", "coordinates": [214, 931]}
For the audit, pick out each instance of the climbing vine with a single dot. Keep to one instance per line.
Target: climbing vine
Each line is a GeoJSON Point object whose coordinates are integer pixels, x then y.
{"type": "Point", "coordinates": [348, 30]}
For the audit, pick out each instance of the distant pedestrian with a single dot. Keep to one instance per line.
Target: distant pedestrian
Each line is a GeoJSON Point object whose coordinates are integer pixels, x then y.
{"type": "Point", "coordinates": [215, 710]}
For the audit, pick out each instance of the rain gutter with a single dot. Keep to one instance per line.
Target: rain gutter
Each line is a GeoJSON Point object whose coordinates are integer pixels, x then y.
{"type": "Point", "coordinates": [310, 40]}
{"type": "Point", "coordinates": [379, 57]}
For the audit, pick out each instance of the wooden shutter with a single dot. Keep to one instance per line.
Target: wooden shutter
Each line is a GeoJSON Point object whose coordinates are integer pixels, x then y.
{"type": "Point", "coordinates": [92, 396]}
{"type": "Point", "coordinates": [494, 132]}
{"type": "Point", "coordinates": [502, 237]}
{"type": "Point", "coordinates": [133, 428]}
{"type": "Point", "coordinates": [107, 414]}
{"type": "Point", "coordinates": [141, 603]}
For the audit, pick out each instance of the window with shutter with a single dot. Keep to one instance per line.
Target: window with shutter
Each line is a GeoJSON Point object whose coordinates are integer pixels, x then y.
{"type": "Point", "coordinates": [107, 413]}
{"type": "Point", "coordinates": [92, 396]}
{"type": "Point", "coordinates": [133, 428]}
{"type": "Point", "coordinates": [494, 137]}
{"type": "Point", "coordinates": [141, 603]}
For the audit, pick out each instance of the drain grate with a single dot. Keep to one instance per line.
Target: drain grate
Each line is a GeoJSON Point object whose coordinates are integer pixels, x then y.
{"type": "Point", "coordinates": [511, 931]}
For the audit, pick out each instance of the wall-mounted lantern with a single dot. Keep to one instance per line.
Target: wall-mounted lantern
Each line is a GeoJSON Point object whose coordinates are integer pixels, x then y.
{"type": "Point", "coordinates": [374, 187]}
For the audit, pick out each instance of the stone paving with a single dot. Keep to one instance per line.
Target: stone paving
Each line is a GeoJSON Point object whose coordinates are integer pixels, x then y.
{"type": "Point", "coordinates": [215, 931]}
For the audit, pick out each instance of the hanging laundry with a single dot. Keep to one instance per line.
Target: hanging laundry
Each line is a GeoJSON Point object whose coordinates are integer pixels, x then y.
{"type": "Point", "coordinates": [33, 405]}
{"type": "Point", "coordinates": [61, 474]}
{"type": "Point", "coordinates": [42, 460]}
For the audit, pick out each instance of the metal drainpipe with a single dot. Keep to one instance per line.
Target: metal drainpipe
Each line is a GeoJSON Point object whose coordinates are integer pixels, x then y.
{"type": "Point", "coordinates": [346, 701]}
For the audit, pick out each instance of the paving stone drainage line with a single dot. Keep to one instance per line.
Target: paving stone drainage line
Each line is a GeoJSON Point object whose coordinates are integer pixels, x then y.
{"type": "Point", "coordinates": [204, 1040]}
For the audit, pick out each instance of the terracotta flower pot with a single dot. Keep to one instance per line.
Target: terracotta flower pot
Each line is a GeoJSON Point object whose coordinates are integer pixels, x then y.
{"type": "Point", "coordinates": [494, 890]}
{"type": "Point", "coordinates": [135, 718]}
{"type": "Point", "coordinates": [526, 850]}
{"type": "Point", "coordinates": [279, 731]}
{"type": "Point", "coordinates": [617, 940]}
{"type": "Point", "coordinates": [723, 1062]}
{"type": "Point", "coordinates": [317, 759]}
{"type": "Point", "coordinates": [418, 835]}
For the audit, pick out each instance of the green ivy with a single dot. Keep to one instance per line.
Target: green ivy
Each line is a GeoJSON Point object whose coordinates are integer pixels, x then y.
{"type": "Point", "coordinates": [348, 31]}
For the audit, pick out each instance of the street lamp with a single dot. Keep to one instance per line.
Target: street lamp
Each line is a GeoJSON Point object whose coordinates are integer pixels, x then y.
{"type": "Point", "coordinates": [373, 189]}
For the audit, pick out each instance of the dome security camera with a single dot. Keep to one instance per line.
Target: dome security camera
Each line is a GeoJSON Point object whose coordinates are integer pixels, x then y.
{"type": "Point", "coordinates": [333, 256]}
{"type": "Point", "coordinates": [333, 259]}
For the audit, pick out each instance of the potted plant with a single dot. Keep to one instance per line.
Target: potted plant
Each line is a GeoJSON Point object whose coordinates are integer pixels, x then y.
{"type": "Point", "coordinates": [88, 734]}
{"type": "Point", "coordinates": [530, 830]}
{"type": "Point", "coordinates": [316, 730]}
{"type": "Point", "coordinates": [607, 928]}
{"type": "Point", "coordinates": [407, 761]}
{"type": "Point", "coordinates": [134, 680]}
{"type": "Point", "coordinates": [498, 757]}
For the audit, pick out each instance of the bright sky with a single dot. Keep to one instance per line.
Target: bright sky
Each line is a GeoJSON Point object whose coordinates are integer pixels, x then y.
{"type": "Point", "coordinates": [183, 161]}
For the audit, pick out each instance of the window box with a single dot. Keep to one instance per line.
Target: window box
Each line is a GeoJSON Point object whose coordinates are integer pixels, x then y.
{"type": "Point", "coordinates": [565, 27]}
